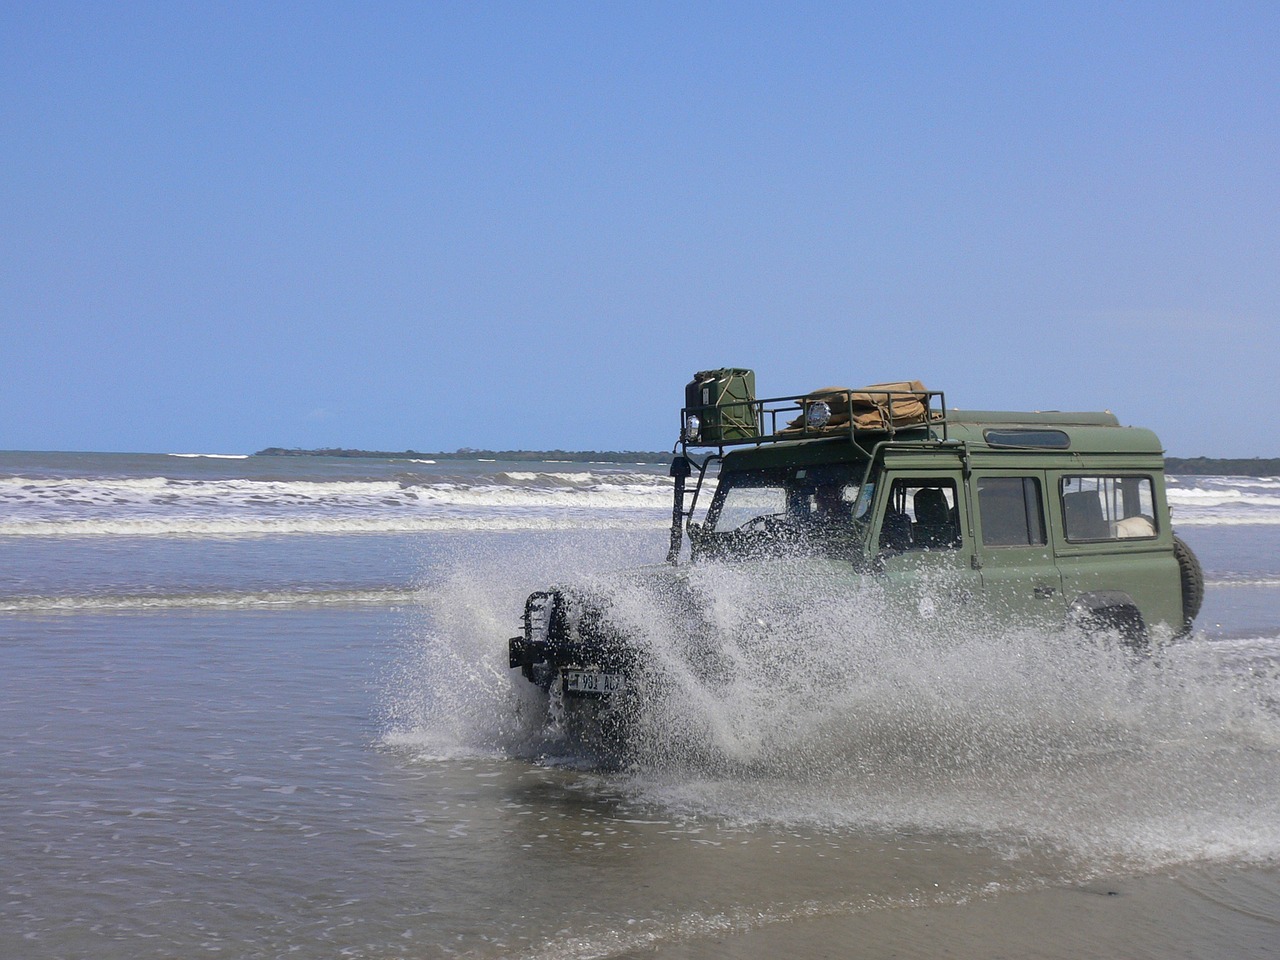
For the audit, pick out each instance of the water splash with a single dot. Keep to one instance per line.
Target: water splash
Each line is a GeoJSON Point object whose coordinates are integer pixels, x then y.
{"type": "Point", "coordinates": [804, 699]}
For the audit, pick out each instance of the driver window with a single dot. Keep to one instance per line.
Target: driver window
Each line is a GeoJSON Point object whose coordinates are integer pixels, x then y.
{"type": "Point", "coordinates": [827, 502]}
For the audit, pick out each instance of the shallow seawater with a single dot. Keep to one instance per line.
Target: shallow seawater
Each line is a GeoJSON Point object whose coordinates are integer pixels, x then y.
{"type": "Point", "coordinates": [221, 783]}
{"type": "Point", "coordinates": [310, 745]}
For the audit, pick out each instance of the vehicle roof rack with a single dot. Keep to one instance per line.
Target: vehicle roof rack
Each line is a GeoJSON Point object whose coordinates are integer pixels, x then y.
{"type": "Point", "coordinates": [880, 410]}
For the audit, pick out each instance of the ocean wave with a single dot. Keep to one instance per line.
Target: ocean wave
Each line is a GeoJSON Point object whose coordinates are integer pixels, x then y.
{"type": "Point", "coordinates": [404, 500]}
{"type": "Point", "coordinates": [1220, 497]}
{"type": "Point", "coordinates": [317, 489]}
{"type": "Point", "coordinates": [211, 456]}
{"type": "Point", "coordinates": [402, 503]}
{"type": "Point", "coordinates": [1243, 580]}
{"type": "Point", "coordinates": [1263, 483]}
{"type": "Point", "coordinates": [1219, 501]}
{"type": "Point", "coordinates": [1226, 520]}
{"type": "Point", "coordinates": [319, 525]}
{"type": "Point", "coordinates": [75, 498]}
{"type": "Point", "coordinates": [233, 599]}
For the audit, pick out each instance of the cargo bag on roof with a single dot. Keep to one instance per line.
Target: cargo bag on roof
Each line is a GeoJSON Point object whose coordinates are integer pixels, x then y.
{"type": "Point", "coordinates": [880, 406]}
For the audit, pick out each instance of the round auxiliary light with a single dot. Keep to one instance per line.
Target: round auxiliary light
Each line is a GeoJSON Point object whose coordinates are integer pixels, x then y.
{"type": "Point", "coordinates": [817, 415]}
{"type": "Point", "coordinates": [692, 427]}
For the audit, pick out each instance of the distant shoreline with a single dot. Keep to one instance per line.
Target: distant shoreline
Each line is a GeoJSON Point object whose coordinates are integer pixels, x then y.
{"type": "Point", "coordinates": [1178, 466]}
{"type": "Point", "coordinates": [467, 453]}
{"type": "Point", "coordinates": [1219, 467]}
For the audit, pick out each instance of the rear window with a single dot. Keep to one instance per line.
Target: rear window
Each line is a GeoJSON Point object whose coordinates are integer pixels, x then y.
{"type": "Point", "coordinates": [1098, 508]}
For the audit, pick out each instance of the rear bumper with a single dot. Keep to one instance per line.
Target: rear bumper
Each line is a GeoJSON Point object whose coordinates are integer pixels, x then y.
{"type": "Point", "coordinates": [544, 664]}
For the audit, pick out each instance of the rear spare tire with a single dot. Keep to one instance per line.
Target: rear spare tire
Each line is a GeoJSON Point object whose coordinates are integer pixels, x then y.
{"type": "Point", "coordinates": [1192, 582]}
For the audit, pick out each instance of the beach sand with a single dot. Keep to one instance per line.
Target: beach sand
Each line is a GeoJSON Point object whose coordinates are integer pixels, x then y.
{"type": "Point", "coordinates": [1205, 913]}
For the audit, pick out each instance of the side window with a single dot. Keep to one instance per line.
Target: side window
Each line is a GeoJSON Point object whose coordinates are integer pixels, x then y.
{"type": "Point", "coordinates": [1108, 508]}
{"type": "Point", "coordinates": [1010, 511]}
{"type": "Point", "coordinates": [921, 515]}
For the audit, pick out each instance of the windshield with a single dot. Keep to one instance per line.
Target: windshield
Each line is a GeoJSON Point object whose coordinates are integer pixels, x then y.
{"type": "Point", "coordinates": [813, 509]}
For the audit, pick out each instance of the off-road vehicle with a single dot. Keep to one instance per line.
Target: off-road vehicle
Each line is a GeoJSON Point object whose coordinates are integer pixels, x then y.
{"type": "Point", "coordinates": [1053, 519]}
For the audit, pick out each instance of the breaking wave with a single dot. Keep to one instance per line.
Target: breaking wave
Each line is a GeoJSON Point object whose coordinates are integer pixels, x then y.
{"type": "Point", "coordinates": [133, 506]}
{"type": "Point", "coordinates": [230, 599]}
{"type": "Point", "coordinates": [1231, 501]}
{"type": "Point", "coordinates": [318, 525]}
{"type": "Point", "coordinates": [425, 497]}
{"type": "Point", "coordinates": [211, 456]}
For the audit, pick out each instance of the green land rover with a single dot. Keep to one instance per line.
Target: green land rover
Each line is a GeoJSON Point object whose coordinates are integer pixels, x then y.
{"type": "Point", "coordinates": [962, 517]}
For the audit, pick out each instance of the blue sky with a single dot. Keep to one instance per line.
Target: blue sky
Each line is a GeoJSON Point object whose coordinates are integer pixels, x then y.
{"type": "Point", "coordinates": [225, 226]}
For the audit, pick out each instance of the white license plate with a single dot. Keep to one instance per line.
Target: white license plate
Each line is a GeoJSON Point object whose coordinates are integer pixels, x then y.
{"type": "Point", "coordinates": [592, 682]}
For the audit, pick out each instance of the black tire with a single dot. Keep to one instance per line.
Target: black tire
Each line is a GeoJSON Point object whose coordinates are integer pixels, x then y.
{"type": "Point", "coordinates": [1192, 582]}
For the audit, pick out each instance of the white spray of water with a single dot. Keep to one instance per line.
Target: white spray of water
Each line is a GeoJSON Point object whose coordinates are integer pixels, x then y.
{"type": "Point", "coordinates": [454, 694]}
{"type": "Point", "coordinates": [824, 705]}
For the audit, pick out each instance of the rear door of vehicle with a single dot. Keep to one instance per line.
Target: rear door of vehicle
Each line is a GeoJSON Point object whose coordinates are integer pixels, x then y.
{"type": "Point", "coordinates": [1112, 543]}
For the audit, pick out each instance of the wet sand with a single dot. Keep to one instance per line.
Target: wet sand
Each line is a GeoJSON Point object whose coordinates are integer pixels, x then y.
{"type": "Point", "coordinates": [1204, 913]}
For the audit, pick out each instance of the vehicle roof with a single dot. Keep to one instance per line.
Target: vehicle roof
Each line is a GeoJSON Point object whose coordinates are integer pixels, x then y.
{"type": "Point", "coordinates": [1086, 433]}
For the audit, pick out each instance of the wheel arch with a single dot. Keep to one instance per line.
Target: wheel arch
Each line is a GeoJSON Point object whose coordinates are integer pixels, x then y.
{"type": "Point", "coordinates": [1100, 610]}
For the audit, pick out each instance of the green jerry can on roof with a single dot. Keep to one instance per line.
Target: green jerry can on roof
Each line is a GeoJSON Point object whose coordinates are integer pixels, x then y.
{"type": "Point", "coordinates": [720, 405]}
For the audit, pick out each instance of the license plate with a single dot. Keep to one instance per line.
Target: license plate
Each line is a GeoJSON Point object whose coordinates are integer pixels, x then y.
{"type": "Point", "coordinates": [592, 682]}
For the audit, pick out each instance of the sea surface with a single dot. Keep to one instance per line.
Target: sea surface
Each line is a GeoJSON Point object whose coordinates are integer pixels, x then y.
{"type": "Point", "coordinates": [259, 707]}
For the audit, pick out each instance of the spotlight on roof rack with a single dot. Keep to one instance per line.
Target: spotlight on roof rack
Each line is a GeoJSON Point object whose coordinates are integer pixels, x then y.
{"type": "Point", "coordinates": [692, 427]}
{"type": "Point", "coordinates": [817, 414]}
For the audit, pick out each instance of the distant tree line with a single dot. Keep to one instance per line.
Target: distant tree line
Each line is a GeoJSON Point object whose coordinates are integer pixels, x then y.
{"type": "Point", "coordinates": [1215, 467]}
{"type": "Point", "coordinates": [471, 453]}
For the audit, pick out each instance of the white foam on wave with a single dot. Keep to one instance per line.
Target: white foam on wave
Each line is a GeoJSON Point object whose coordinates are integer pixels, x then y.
{"type": "Point", "coordinates": [1226, 520]}
{"type": "Point", "coordinates": [1224, 501]}
{"type": "Point", "coordinates": [325, 526]}
{"type": "Point", "coordinates": [265, 599]}
{"type": "Point", "coordinates": [523, 499]}
{"type": "Point", "coordinates": [212, 456]}
{"type": "Point", "coordinates": [1217, 498]}
{"type": "Point", "coordinates": [1242, 580]}
{"type": "Point", "coordinates": [551, 486]}
{"type": "Point", "coordinates": [241, 506]}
